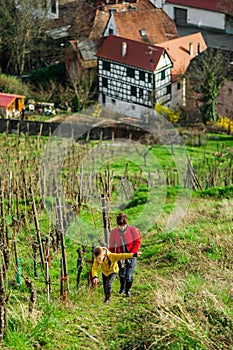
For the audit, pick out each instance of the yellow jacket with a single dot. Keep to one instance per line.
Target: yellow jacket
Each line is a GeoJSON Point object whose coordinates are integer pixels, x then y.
{"type": "Point", "coordinates": [109, 265]}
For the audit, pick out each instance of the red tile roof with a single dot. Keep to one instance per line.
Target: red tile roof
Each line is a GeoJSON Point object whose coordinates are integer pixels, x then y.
{"type": "Point", "coordinates": [138, 54]}
{"type": "Point", "coordinates": [180, 53]}
{"type": "Point", "coordinates": [158, 26]}
{"type": "Point", "coordinates": [223, 6]}
{"type": "Point", "coordinates": [7, 99]}
{"type": "Point", "coordinates": [103, 14]}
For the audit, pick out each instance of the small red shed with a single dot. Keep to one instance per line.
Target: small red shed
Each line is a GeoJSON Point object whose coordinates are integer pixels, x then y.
{"type": "Point", "coordinates": [11, 105]}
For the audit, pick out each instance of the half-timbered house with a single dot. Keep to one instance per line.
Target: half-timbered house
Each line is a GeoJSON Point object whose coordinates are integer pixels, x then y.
{"type": "Point", "coordinates": [132, 76]}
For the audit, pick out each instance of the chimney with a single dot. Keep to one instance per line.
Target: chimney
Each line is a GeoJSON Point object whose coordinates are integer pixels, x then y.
{"type": "Point", "coordinates": [191, 49]}
{"type": "Point", "coordinates": [124, 48]}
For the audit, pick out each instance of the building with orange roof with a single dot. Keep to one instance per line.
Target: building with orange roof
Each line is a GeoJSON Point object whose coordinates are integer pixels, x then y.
{"type": "Point", "coordinates": [182, 51]}
{"type": "Point", "coordinates": [153, 26]}
{"type": "Point", "coordinates": [104, 12]}
{"type": "Point", "coordinates": [11, 105]}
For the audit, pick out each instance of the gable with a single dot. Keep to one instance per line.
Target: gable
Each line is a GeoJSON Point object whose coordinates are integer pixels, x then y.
{"type": "Point", "coordinates": [182, 50]}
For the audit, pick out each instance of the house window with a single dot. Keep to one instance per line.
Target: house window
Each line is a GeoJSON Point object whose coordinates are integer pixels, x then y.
{"type": "Point", "coordinates": [178, 86]}
{"type": "Point", "coordinates": [141, 93]}
{"type": "Point", "coordinates": [169, 89]}
{"type": "Point", "coordinates": [130, 72]}
{"type": "Point", "coordinates": [113, 11]}
{"type": "Point", "coordinates": [132, 8]}
{"type": "Point", "coordinates": [142, 75]}
{"type": "Point", "coordinates": [149, 78]}
{"type": "Point", "coordinates": [163, 75]}
{"type": "Point", "coordinates": [106, 65]}
{"type": "Point", "coordinates": [133, 91]}
{"type": "Point", "coordinates": [142, 32]}
{"type": "Point", "coordinates": [105, 82]}
{"type": "Point", "coordinates": [110, 31]}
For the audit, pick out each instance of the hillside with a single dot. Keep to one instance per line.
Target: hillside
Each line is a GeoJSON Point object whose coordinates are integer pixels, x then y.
{"type": "Point", "coordinates": [182, 292]}
{"type": "Point", "coordinates": [182, 295]}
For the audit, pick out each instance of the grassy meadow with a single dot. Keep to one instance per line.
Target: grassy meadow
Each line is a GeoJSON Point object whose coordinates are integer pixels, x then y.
{"type": "Point", "coordinates": [182, 295]}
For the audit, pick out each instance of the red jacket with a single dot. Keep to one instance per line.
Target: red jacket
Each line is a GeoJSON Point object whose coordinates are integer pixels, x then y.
{"type": "Point", "coordinates": [132, 239]}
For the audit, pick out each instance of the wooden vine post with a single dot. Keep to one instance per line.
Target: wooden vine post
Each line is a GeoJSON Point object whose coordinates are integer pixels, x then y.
{"type": "Point", "coordinates": [37, 228]}
{"type": "Point", "coordinates": [35, 249]}
{"type": "Point", "coordinates": [47, 267]}
{"type": "Point", "coordinates": [2, 224]}
{"type": "Point", "coordinates": [64, 289]}
{"type": "Point", "coordinates": [79, 266]}
{"type": "Point", "coordinates": [2, 305]}
{"type": "Point", "coordinates": [105, 221]}
{"type": "Point", "coordinates": [32, 290]}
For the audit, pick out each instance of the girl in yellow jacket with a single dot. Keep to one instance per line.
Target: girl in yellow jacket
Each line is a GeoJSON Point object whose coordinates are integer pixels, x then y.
{"type": "Point", "coordinates": [109, 267]}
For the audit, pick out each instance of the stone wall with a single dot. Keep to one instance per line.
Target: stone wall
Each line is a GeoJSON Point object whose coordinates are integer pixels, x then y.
{"type": "Point", "coordinates": [77, 131]}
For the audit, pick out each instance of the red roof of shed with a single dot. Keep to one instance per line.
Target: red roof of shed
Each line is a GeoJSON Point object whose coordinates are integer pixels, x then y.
{"type": "Point", "coordinates": [7, 99]}
{"type": "Point", "coordinates": [138, 54]}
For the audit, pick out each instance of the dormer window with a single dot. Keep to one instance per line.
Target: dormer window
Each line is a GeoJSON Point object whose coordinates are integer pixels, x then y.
{"type": "Point", "coordinates": [143, 32]}
{"type": "Point", "coordinates": [113, 11]}
{"type": "Point", "coordinates": [53, 6]}
{"type": "Point", "coordinates": [132, 8]}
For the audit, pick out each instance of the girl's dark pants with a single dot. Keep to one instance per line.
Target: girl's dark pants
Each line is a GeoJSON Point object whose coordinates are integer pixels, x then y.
{"type": "Point", "coordinates": [107, 283]}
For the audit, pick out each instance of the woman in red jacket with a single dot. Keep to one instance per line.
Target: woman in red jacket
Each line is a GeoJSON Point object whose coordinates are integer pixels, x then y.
{"type": "Point", "coordinates": [125, 239]}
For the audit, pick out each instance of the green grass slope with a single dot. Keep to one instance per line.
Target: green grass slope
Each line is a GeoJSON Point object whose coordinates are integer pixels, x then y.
{"type": "Point", "coordinates": [182, 296]}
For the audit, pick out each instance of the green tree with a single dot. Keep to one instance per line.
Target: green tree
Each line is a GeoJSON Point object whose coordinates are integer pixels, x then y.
{"type": "Point", "coordinates": [206, 76]}
{"type": "Point", "coordinates": [211, 84]}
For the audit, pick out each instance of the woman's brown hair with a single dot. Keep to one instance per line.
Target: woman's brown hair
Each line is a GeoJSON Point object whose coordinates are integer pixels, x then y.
{"type": "Point", "coordinates": [122, 219]}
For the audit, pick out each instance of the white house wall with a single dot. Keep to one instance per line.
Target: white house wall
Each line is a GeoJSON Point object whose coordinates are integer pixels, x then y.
{"type": "Point", "coordinates": [157, 3]}
{"type": "Point", "coordinates": [125, 108]}
{"type": "Point", "coordinates": [178, 95]}
{"type": "Point", "coordinates": [110, 28]}
{"type": "Point", "coordinates": [197, 17]}
{"type": "Point", "coordinates": [163, 80]}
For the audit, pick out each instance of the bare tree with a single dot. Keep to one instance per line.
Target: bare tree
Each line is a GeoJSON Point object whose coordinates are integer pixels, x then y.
{"type": "Point", "coordinates": [83, 82]}
{"type": "Point", "coordinates": [21, 26]}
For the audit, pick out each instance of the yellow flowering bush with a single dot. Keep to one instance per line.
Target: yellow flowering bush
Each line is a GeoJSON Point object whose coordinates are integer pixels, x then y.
{"type": "Point", "coordinates": [225, 123]}
{"type": "Point", "coordinates": [97, 111]}
{"type": "Point", "coordinates": [169, 113]}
